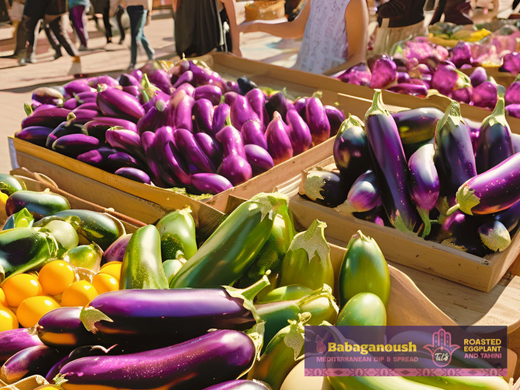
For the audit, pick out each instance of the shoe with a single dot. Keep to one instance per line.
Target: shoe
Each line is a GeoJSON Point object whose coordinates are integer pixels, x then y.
{"type": "Point", "coordinates": [57, 55]}
{"type": "Point", "coordinates": [83, 48]}
{"type": "Point", "coordinates": [121, 41]}
{"type": "Point", "coordinates": [109, 40]}
{"type": "Point", "coordinates": [22, 62]}
{"type": "Point", "coordinates": [131, 67]}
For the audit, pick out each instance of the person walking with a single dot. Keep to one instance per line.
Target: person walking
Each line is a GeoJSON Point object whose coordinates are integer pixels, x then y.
{"type": "Point", "coordinates": [138, 11]}
{"type": "Point", "coordinates": [77, 11]}
{"type": "Point", "coordinates": [103, 7]}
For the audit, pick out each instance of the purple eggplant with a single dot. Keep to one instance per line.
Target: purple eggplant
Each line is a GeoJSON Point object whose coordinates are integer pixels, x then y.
{"type": "Point", "coordinates": [98, 157]}
{"type": "Point", "coordinates": [256, 98]}
{"type": "Point", "coordinates": [511, 63]}
{"type": "Point", "coordinates": [403, 78]}
{"type": "Point", "coordinates": [161, 80]}
{"type": "Point", "coordinates": [384, 73]}
{"type": "Point", "coordinates": [15, 340]}
{"type": "Point", "coordinates": [127, 141]}
{"type": "Point", "coordinates": [245, 85]}
{"type": "Point", "coordinates": [236, 169]}
{"type": "Point", "coordinates": [186, 78]}
{"type": "Point", "coordinates": [134, 174]}
{"type": "Point", "coordinates": [209, 92]}
{"type": "Point", "coordinates": [231, 86]}
{"type": "Point", "coordinates": [83, 116]}
{"type": "Point", "coordinates": [336, 118]}
{"type": "Point", "coordinates": [48, 117]}
{"type": "Point", "coordinates": [358, 74]}
{"type": "Point", "coordinates": [494, 236]}
{"type": "Point", "coordinates": [461, 54]}
{"type": "Point", "coordinates": [183, 113]}
{"type": "Point", "coordinates": [259, 159]}
{"type": "Point", "coordinates": [98, 127]}
{"type": "Point", "coordinates": [241, 112]}
{"type": "Point", "coordinates": [239, 384]}
{"type": "Point", "coordinates": [492, 191]}
{"type": "Point", "coordinates": [459, 231]}
{"type": "Point", "coordinates": [73, 145]}
{"type": "Point", "coordinates": [512, 95]}
{"type": "Point", "coordinates": [231, 141]}
{"type": "Point", "coordinates": [478, 76]}
{"type": "Point", "coordinates": [444, 79]}
{"type": "Point", "coordinates": [221, 113]}
{"type": "Point", "coordinates": [230, 97]}
{"type": "Point", "coordinates": [119, 104]}
{"type": "Point", "coordinates": [203, 113]}
{"type": "Point", "coordinates": [35, 134]}
{"type": "Point", "coordinates": [253, 134]}
{"type": "Point", "coordinates": [36, 360]}
{"type": "Point", "coordinates": [105, 79]}
{"type": "Point", "coordinates": [119, 160]}
{"type": "Point", "coordinates": [160, 176]}
{"type": "Point", "coordinates": [70, 104]}
{"type": "Point", "coordinates": [84, 97]}
{"type": "Point", "coordinates": [46, 95]}
{"type": "Point", "coordinates": [278, 141]}
{"type": "Point", "coordinates": [62, 329]}
{"type": "Point", "coordinates": [187, 145]}
{"type": "Point", "coordinates": [132, 90]}
{"type": "Point", "coordinates": [188, 88]}
{"type": "Point", "coordinates": [77, 86]}
{"type": "Point", "coordinates": [323, 187]}
{"type": "Point", "coordinates": [277, 103]}
{"type": "Point", "coordinates": [154, 118]}
{"type": "Point", "coordinates": [485, 95]}
{"type": "Point", "coordinates": [298, 131]}
{"type": "Point", "coordinates": [37, 107]}
{"type": "Point", "coordinates": [463, 95]}
{"type": "Point", "coordinates": [204, 76]}
{"type": "Point", "coordinates": [363, 196]}
{"type": "Point", "coordinates": [409, 89]}
{"type": "Point", "coordinates": [87, 106]}
{"type": "Point", "coordinates": [316, 118]}
{"type": "Point", "coordinates": [126, 80]}
{"type": "Point", "coordinates": [509, 217]}
{"type": "Point", "coordinates": [515, 140]}
{"type": "Point", "coordinates": [210, 148]}
{"type": "Point", "coordinates": [513, 110]}
{"type": "Point", "coordinates": [417, 125]}
{"type": "Point", "coordinates": [300, 105]}
{"type": "Point", "coordinates": [65, 128]}
{"type": "Point", "coordinates": [494, 143]}
{"type": "Point", "coordinates": [210, 183]}
{"type": "Point", "coordinates": [116, 250]}
{"type": "Point", "coordinates": [168, 156]}
{"type": "Point", "coordinates": [391, 168]}
{"type": "Point", "coordinates": [227, 355]}
{"type": "Point", "coordinates": [454, 157]}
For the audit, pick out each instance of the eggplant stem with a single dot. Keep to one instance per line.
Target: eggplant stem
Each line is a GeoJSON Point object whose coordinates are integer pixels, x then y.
{"type": "Point", "coordinates": [425, 216]}
{"type": "Point", "coordinates": [252, 291]}
{"type": "Point", "coordinates": [28, 109]}
{"type": "Point", "coordinates": [452, 209]}
{"type": "Point", "coordinates": [90, 315]}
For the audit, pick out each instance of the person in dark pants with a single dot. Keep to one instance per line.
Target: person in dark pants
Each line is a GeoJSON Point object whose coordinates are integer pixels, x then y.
{"type": "Point", "coordinates": [402, 13]}
{"type": "Point", "coordinates": [103, 7]}
{"type": "Point", "coordinates": [138, 13]}
{"type": "Point", "coordinates": [53, 41]}
{"type": "Point", "coordinates": [119, 17]}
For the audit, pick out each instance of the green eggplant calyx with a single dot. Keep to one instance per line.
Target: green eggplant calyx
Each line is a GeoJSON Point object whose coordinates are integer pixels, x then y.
{"type": "Point", "coordinates": [185, 211]}
{"type": "Point", "coordinates": [463, 80]}
{"type": "Point", "coordinates": [248, 294]}
{"type": "Point", "coordinates": [498, 116]}
{"type": "Point", "coordinates": [228, 120]}
{"type": "Point", "coordinates": [90, 315]}
{"type": "Point", "coordinates": [313, 241]}
{"type": "Point", "coordinates": [102, 87]}
{"type": "Point", "coordinates": [354, 121]}
{"type": "Point", "coordinates": [59, 380]}
{"type": "Point", "coordinates": [145, 96]}
{"type": "Point", "coordinates": [325, 323]}
{"type": "Point", "coordinates": [269, 202]}
{"type": "Point", "coordinates": [452, 209]}
{"type": "Point", "coordinates": [497, 239]}
{"type": "Point", "coordinates": [452, 117]}
{"type": "Point", "coordinates": [145, 83]}
{"type": "Point", "coordinates": [317, 94]}
{"type": "Point", "coordinates": [295, 337]}
{"type": "Point", "coordinates": [345, 208]}
{"type": "Point", "coordinates": [400, 225]}
{"type": "Point", "coordinates": [313, 186]}
{"type": "Point", "coordinates": [23, 218]}
{"type": "Point", "coordinates": [324, 292]}
{"type": "Point", "coordinates": [70, 117]}
{"type": "Point", "coordinates": [466, 200]}
{"type": "Point", "coordinates": [377, 107]}
{"type": "Point", "coordinates": [256, 334]}
{"type": "Point", "coordinates": [425, 216]}
{"type": "Point", "coordinates": [160, 105]}
{"type": "Point", "coordinates": [28, 109]}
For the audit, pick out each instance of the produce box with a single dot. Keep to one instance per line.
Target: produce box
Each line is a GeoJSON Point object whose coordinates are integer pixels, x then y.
{"type": "Point", "coordinates": [265, 10]}
{"type": "Point", "coordinates": [502, 78]}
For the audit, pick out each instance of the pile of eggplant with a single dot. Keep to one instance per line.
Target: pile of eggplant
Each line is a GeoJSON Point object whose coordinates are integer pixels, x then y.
{"type": "Point", "coordinates": [177, 127]}
{"type": "Point", "coordinates": [436, 175]}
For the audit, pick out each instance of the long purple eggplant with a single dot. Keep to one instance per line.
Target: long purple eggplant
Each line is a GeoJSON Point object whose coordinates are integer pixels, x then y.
{"type": "Point", "coordinates": [98, 127]}
{"type": "Point", "coordinates": [169, 157]}
{"type": "Point", "coordinates": [203, 113]}
{"type": "Point", "coordinates": [126, 140]}
{"type": "Point", "coordinates": [161, 80]}
{"type": "Point", "coordinates": [236, 169]}
{"type": "Point", "coordinates": [494, 143]}
{"type": "Point", "coordinates": [203, 76]}
{"type": "Point", "coordinates": [48, 117]}
{"type": "Point", "coordinates": [278, 141]}
{"type": "Point", "coordinates": [119, 104]}
{"type": "Point", "coordinates": [65, 128]}
{"type": "Point", "coordinates": [98, 157]}
{"type": "Point", "coordinates": [316, 118]}
{"type": "Point", "coordinates": [210, 148]}
{"type": "Point", "coordinates": [47, 95]}
{"type": "Point", "coordinates": [116, 251]}
{"type": "Point", "coordinates": [239, 385]}
{"type": "Point", "coordinates": [154, 118]}
{"type": "Point", "coordinates": [36, 360]}
{"type": "Point", "coordinates": [241, 112]}
{"type": "Point", "coordinates": [390, 166]}
{"type": "Point", "coordinates": [253, 134]}
{"type": "Point", "coordinates": [230, 97]}
{"type": "Point", "coordinates": [210, 183]}
{"type": "Point", "coordinates": [324, 187]}
{"type": "Point", "coordinates": [13, 341]}
{"type": "Point", "coordinates": [417, 125]}
{"type": "Point", "coordinates": [335, 117]}
{"type": "Point", "coordinates": [363, 196]}
{"type": "Point", "coordinates": [77, 86]}
{"type": "Point", "coordinates": [186, 78]}
{"type": "Point", "coordinates": [231, 141]}
{"type": "Point", "coordinates": [75, 144]}
{"type": "Point", "coordinates": [126, 80]}
{"type": "Point", "coordinates": [187, 145]}
{"type": "Point", "coordinates": [183, 113]}
{"type": "Point", "coordinates": [62, 329]}
{"type": "Point", "coordinates": [134, 174]}
{"type": "Point", "coordinates": [119, 160]}
{"type": "Point", "coordinates": [220, 115]}
{"type": "Point", "coordinates": [105, 79]}
{"type": "Point", "coordinates": [160, 176]}
{"type": "Point", "coordinates": [256, 98]}
{"type": "Point", "coordinates": [209, 92]}
{"type": "Point", "coordinates": [35, 134]}
{"type": "Point", "coordinates": [83, 116]}
{"type": "Point", "coordinates": [259, 159]}
{"type": "Point", "coordinates": [298, 131]}
{"type": "Point", "coordinates": [492, 191]}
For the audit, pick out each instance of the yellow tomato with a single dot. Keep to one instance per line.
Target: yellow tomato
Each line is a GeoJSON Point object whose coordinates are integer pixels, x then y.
{"type": "Point", "coordinates": [78, 294]}
{"type": "Point", "coordinates": [113, 268]}
{"type": "Point", "coordinates": [56, 276]}
{"type": "Point", "coordinates": [3, 201]}
{"type": "Point", "coordinates": [32, 309]}
{"type": "Point", "coordinates": [20, 287]}
{"type": "Point", "coordinates": [104, 283]}
{"type": "Point", "coordinates": [8, 319]}
{"type": "Point", "coordinates": [3, 300]}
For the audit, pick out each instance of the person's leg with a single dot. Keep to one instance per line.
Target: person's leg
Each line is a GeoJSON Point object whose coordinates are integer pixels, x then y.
{"type": "Point", "coordinates": [53, 41]}
{"type": "Point", "coordinates": [106, 22]}
{"type": "Point", "coordinates": [77, 15]}
{"type": "Point", "coordinates": [119, 17]}
{"type": "Point", "coordinates": [57, 28]}
{"type": "Point", "coordinates": [30, 34]}
{"type": "Point", "coordinates": [134, 15]}
{"type": "Point", "coordinates": [140, 34]}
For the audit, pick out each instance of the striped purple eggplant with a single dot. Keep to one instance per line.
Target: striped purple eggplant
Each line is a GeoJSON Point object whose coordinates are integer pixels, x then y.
{"type": "Point", "coordinates": [259, 159]}
{"type": "Point", "coordinates": [241, 384]}
{"type": "Point", "coordinates": [65, 128]}
{"type": "Point", "coordinates": [492, 191]}
{"type": "Point", "coordinates": [127, 141]}
{"type": "Point", "coordinates": [209, 92]}
{"type": "Point", "coordinates": [363, 196]}
{"type": "Point", "coordinates": [298, 131]}
{"type": "Point", "coordinates": [241, 112]}
{"type": "Point", "coordinates": [116, 250]}
{"type": "Point", "coordinates": [495, 236]}
{"type": "Point", "coordinates": [316, 118]}
{"type": "Point", "coordinates": [231, 141]}
{"type": "Point", "coordinates": [62, 329]}
{"type": "Point", "coordinates": [335, 117]}
{"type": "Point", "coordinates": [154, 118]}
{"type": "Point", "coordinates": [83, 116]}
{"type": "Point", "coordinates": [98, 157]}
{"type": "Point", "coordinates": [185, 78]}
{"type": "Point", "coordinates": [77, 86]}
{"type": "Point", "coordinates": [230, 97]}
{"type": "Point", "coordinates": [98, 127]}
{"type": "Point", "coordinates": [48, 117]}
{"type": "Point", "coordinates": [36, 360]}
{"type": "Point", "coordinates": [494, 143]}
{"type": "Point", "coordinates": [253, 134]}
{"type": "Point", "coordinates": [73, 145]}
{"type": "Point", "coordinates": [161, 79]}
{"type": "Point", "coordinates": [105, 79]}
{"type": "Point", "coordinates": [187, 145]}
{"type": "Point", "coordinates": [210, 148]}
{"type": "Point", "coordinates": [236, 169]}
{"type": "Point", "coordinates": [34, 134]}
{"type": "Point", "coordinates": [390, 167]}
{"type": "Point", "coordinates": [277, 103]}
{"type": "Point", "coordinates": [183, 113]}
{"type": "Point", "coordinates": [47, 95]}
{"type": "Point", "coordinates": [278, 141]}
{"type": "Point", "coordinates": [256, 98]}
{"type": "Point", "coordinates": [210, 183]}
{"type": "Point", "coordinates": [115, 161]}
{"type": "Point", "coordinates": [220, 115]}
{"type": "Point", "coordinates": [119, 104]}
{"type": "Point", "coordinates": [324, 187]}
{"type": "Point", "coordinates": [13, 341]}
{"type": "Point", "coordinates": [205, 76]}
{"type": "Point", "coordinates": [170, 159]}
{"type": "Point", "coordinates": [203, 113]}
{"type": "Point", "coordinates": [134, 174]}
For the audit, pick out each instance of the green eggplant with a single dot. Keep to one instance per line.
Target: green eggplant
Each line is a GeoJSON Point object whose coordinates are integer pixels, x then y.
{"type": "Point", "coordinates": [96, 227]}
{"type": "Point", "coordinates": [178, 233]}
{"type": "Point", "coordinates": [39, 204]}
{"type": "Point", "coordinates": [286, 293]}
{"type": "Point", "coordinates": [142, 263]}
{"type": "Point", "coordinates": [307, 261]}
{"type": "Point", "coordinates": [363, 309]}
{"type": "Point", "coordinates": [364, 269]}
{"type": "Point", "coordinates": [9, 185]}
{"type": "Point", "coordinates": [64, 233]}
{"type": "Point", "coordinates": [85, 256]}
{"type": "Point", "coordinates": [282, 353]}
{"type": "Point", "coordinates": [22, 218]}
{"type": "Point", "coordinates": [273, 251]}
{"type": "Point", "coordinates": [171, 267]}
{"type": "Point", "coordinates": [25, 249]}
{"type": "Point", "coordinates": [233, 246]}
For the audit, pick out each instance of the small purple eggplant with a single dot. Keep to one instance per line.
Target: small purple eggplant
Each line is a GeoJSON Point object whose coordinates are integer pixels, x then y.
{"type": "Point", "coordinates": [187, 145]}
{"type": "Point", "coordinates": [241, 112]}
{"type": "Point", "coordinates": [46, 95]}
{"type": "Point", "coordinates": [236, 169]}
{"type": "Point", "coordinates": [409, 89]}
{"type": "Point", "coordinates": [220, 115]}
{"type": "Point", "coordinates": [325, 188]}
{"type": "Point", "coordinates": [513, 110]}
{"type": "Point", "coordinates": [132, 90]}
{"type": "Point", "coordinates": [203, 113]}
{"type": "Point", "coordinates": [256, 98]}
{"type": "Point", "coordinates": [16, 340]}
{"type": "Point", "coordinates": [83, 116]}
{"type": "Point", "coordinates": [116, 103]}
{"type": "Point", "coordinates": [403, 78]}
{"type": "Point", "coordinates": [126, 140]}
{"type": "Point", "coordinates": [183, 113]}
{"type": "Point", "coordinates": [107, 80]}
{"type": "Point", "coordinates": [210, 148]}
{"type": "Point", "coordinates": [73, 145]}
{"type": "Point", "coordinates": [210, 183]}
{"type": "Point", "coordinates": [204, 76]}
{"type": "Point", "coordinates": [48, 117]}
{"type": "Point", "coordinates": [316, 118]}
{"type": "Point", "coordinates": [231, 86]}
{"type": "Point", "coordinates": [511, 63]}
{"type": "Point", "coordinates": [336, 118]}
{"type": "Point", "coordinates": [70, 104]}
{"type": "Point", "coordinates": [98, 126]}
{"type": "Point", "coordinates": [98, 157]}
{"type": "Point", "coordinates": [358, 74]}
{"type": "Point", "coordinates": [478, 76]}
{"type": "Point", "coordinates": [161, 80]}
{"type": "Point", "coordinates": [300, 105]}
{"type": "Point", "coordinates": [384, 73]}
{"type": "Point", "coordinates": [65, 128]}
{"type": "Point", "coordinates": [277, 103]}
{"type": "Point", "coordinates": [231, 141]}
{"type": "Point", "coordinates": [461, 54]}
{"type": "Point", "coordinates": [463, 95]}
{"type": "Point", "coordinates": [512, 95]}
{"type": "Point", "coordinates": [119, 160]}
{"type": "Point", "coordinates": [444, 79]}
{"type": "Point", "coordinates": [459, 231]}
{"type": "Point", "coordinates": [253, 134]}
{"type": "Point", "coordinates": [230, 97]}
{"type": "Point", "coordinates": [278, 141]}
{"type": "Point", "coordinates": [298, 131]}
{"type": "Point", "coordinates": [126, 80]}
{"type": "Point", "coordinates": [485, 95]}
{"type": "Point", "coordinates": [186, 78]}
{"type": "Point", "coordinates": [77, 86]}
{"type": "Point", "coordinates": [259, 159]}
{"type": "Point", "coordinates": [116, 250]}
{"type": "Point", "coordinates": [88, 106]}
{"type": "Point", "coordinates": [134, 174]}
{"type": "Point", "coordinates": [515, 140]}
{"type": "Point", "coordinates": [154, 118]}
{"type": "Point", "coordinates": [209, 92]}
{"type": "Point", "coordinates": [35, 134]}
{"type": "Point", "coordinates": [363, 196]}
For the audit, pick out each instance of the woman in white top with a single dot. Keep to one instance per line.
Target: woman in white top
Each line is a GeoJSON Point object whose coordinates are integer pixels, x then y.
{"type": "Point", "coordinates": [334, 34]}
{"type": "Point", "coordinates": [138, 13]}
